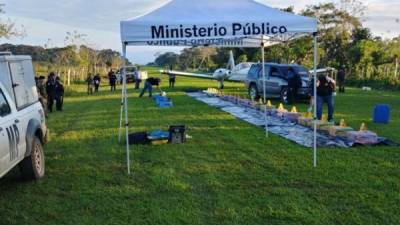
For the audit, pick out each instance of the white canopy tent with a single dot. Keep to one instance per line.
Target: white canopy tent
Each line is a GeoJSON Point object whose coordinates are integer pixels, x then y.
{"type": "Point", "coordinates": [218, 23]}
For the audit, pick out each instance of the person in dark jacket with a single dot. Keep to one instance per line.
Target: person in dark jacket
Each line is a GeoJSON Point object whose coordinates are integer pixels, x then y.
{"type": "Point", "coordinates": [97, 81]}
{"type": "Point", "coordinates": [41, 90]}
{"type": "Point", "coordinates": [148, 85]}
{"type": "Point", "coordinates": [50, 91]}
{"type": "Point", "coordinates": [325, 89]}
{"type": "Point", "coordinates": [341, 78]}
{"type": "Point", "coordinates": [90, 84]}
{"type": "Point", "coordinates": [171, 77]}
{"type": "Point", "coordinates": [59, 90]}
{"type": "Point", "coordinates": [294, 83]}
{"type": "Point", "coordinates": [113, 80]}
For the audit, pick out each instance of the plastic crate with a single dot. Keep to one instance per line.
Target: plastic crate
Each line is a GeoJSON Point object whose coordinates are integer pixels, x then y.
{"type": "Point", "coordinates": [382, 114]}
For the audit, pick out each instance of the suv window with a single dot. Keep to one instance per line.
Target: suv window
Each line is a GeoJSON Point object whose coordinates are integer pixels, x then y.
{"type": "Point", "coordinates": [275, 72]}
{"type": "Point", "coordinates": [266, 70]}
{"type": "Point", "coordinates": [297, 69]}
{"type": "Point", "coordinates": [301, 71]}
{"type": "Point", "coordinates": [4, 107]}
{"type": "Point", "coordinates": [253, 72]}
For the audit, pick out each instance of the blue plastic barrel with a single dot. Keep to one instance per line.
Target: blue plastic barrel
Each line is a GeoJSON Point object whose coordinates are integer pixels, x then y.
{"type": "Point", "coordinates": [382, 113]}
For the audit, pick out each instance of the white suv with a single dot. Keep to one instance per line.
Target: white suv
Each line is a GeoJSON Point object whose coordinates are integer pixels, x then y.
{"type": "Point", "coordinates": [23, 130]}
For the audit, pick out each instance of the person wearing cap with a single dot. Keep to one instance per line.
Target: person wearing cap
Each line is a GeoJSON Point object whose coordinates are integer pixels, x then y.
{"type": "Point", "coordinates": [325, 90]}
{"type": "Point", "coordinates": [148, 85]}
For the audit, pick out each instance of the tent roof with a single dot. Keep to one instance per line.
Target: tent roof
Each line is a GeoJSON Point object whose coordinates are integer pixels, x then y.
{"type": "Point", "coordinates": [215, 23]}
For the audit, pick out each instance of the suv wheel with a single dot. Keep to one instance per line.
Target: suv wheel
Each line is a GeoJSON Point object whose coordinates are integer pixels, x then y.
{"type": "Point", "coordinates": [285, 95]}
{"type": "Point", "coordinates": [253, 92]}
{"type": "Point", "coordinates": [33, 166]}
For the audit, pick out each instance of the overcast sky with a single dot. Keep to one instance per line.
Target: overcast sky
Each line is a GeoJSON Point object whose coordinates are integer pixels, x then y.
{"type": "Point", "coordinates": [47, 21]}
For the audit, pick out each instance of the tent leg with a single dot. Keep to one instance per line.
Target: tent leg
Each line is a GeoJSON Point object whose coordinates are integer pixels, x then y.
{"type": "Point", "coordinates": [264, 90]}
{"type": "Point", "coordinates": [121, 114]}
{"type": "Point", "coordinates": [315, 99]}
{"type": "Point", "coordinates": [125, 103]}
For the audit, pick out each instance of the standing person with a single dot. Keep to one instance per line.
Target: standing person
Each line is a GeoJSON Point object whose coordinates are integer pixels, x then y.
{"type": "Point", "coordinates": [138, 78]}
{"type": "Point", "coordinates": [110, 72]}
{"type": "Point", "coordinates": [325, 89]}
{"type": "Point", "coordinates": [59, 90]}
{"type": "Point", "coordinates": [148, 85]}
{"type": "Point", "coordinates": [341, 78]}
{"type": "Point", "coordinates": [41, 89]}
{"type": "Point", "coordinates": [50, 91]}
{"type": "Point", "coordinates": [294, 83]}
{"type": "Point", "coordinates": [113, 80]}
{"type": "Point", "coordinates": [171, 77]}
{"type": "Point", "coordinates": [90, 84]}
{"type": "Point", "coordinates": [97, 81]}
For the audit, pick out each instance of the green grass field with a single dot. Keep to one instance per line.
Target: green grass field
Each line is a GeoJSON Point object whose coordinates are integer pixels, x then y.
{"type": "Point", "coordinates": [228, 173]}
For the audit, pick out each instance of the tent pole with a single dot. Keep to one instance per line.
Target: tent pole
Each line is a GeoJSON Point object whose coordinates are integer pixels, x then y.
{"type": "Point", "coordinates": [120, 116]}
{"type": "Point", "coordinates": [264, 88]}
{"type": "Point", "coordinates": [125, 102]}
{"type": "Point", "coordinates": [315, 98]}
{"type": "Point", "coordinates": [121, 113]}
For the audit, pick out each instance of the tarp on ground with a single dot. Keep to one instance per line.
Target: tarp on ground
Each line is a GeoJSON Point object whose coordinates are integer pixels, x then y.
{"type": "Point", "coordinates": [299, 134]}
{"type": "Point", "coordinates": [224, 23]}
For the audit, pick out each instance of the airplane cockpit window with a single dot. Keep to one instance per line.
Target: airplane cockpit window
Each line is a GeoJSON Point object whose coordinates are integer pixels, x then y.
{"type": "Point", "coordinates": [246, 65]}
{"type": "Point", "coordinates": [238, 67]}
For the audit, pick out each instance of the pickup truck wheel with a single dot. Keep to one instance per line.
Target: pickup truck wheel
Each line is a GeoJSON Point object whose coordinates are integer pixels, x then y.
{"type": "Point", "coordinates": [285, 95]}
{"type": "Point", "coordinates": [253, 92]}
{"type": "Point", "coordinates": [33, 166]}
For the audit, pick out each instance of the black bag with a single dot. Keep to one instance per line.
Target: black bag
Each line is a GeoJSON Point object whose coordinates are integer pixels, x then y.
{"type": "Point", "coordinates": [138, 138]}
{"type": "Point", "coordinates": [177, 134]}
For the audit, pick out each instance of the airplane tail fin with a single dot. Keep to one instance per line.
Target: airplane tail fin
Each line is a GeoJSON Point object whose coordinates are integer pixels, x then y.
{"type": "Point", "coordinates": [231, 62]}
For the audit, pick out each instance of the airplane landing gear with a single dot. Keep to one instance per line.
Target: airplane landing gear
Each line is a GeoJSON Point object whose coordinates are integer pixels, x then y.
{"type": "Point", "coordinates": [221, 85]}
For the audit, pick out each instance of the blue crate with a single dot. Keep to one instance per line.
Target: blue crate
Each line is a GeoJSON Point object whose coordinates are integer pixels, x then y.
{"type": "Point", "coordinates": [381, 113]}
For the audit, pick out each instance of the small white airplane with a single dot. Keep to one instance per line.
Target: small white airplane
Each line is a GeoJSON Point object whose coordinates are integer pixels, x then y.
{"type": "Point", "coordinates": [233, 72]}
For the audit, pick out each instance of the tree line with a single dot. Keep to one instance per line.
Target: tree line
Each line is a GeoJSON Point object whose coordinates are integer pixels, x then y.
{"type": "Point", "coordinates": [72, 57]}
{"type": "Point", "coordinates": [343, 41]}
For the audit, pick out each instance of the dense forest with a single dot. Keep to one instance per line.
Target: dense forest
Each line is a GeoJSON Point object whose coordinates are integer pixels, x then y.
{"type": "Point", "coordinates": [343, 41]}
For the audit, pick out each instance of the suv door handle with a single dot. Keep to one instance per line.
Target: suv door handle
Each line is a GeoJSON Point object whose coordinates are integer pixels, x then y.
{"type": "Point", "coordinates": [16, 121]}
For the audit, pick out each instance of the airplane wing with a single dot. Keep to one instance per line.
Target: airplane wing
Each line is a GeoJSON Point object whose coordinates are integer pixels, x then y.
{"type": "Point", "coordinates": [237, 77]}
{"type": "Point", "coordinates": [323, 70]}
{"type": "Point", "coordinates": [185, 74]}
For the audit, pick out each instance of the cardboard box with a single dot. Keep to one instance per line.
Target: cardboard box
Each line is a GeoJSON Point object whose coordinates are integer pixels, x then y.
{"type": "Point", "coordinates": [339, 131]}
{"type": "Point", "coordinates": [292, 117]}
